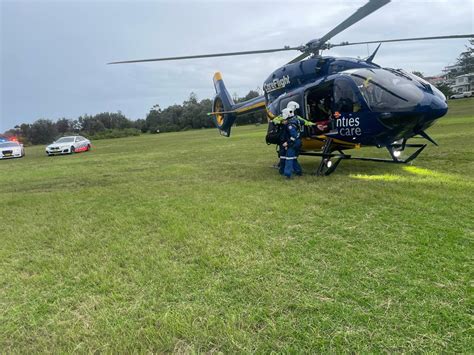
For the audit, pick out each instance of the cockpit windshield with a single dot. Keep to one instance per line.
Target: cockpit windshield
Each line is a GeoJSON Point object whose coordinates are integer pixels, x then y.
{"type": "Point", "coordinates": [385, 90]}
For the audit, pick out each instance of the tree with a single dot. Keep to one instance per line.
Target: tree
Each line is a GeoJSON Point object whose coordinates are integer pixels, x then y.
{"type": "Point", "coordinates": [251, 95]}
{"type": "Point", "coordinates": [466, 60]}
{"type": "Point", "coordinates": [444, 88]}
{"type": "Point", "coordinates": [42, 131]}
{"type": "Point", "coordinates": [254, 117]}
{"type": "Point", "coordinates": [113, 120]}
{"type": "Point", "coordinates": [76, 126]}
{"type": "Point", "coordinates": [464, 63]}
{"type": "Point", "coordinates": [91, 125]}
{"type": "Point", "coordinates": [152, 120]}
{"type": "Point", "coordinates": [63, 125]}
{"type": "Point", "coordinates": [204, 107]}
{"type": "Point", "coordinates": [140, 124]}
{"type": "Point", "coordinates": [192, 115]}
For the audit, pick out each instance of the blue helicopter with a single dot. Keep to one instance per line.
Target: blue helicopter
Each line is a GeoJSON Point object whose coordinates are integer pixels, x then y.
{"type": "Point", "coordinates": [357, 102]}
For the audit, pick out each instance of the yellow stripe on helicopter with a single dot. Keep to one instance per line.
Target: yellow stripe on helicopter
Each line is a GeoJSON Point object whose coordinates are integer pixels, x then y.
{"type": "Point", "coordinates": [248, 108]}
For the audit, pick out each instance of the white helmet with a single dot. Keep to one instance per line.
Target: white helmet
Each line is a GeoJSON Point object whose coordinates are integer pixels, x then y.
{"type": "Point", "coordinates": [286, 113]}
{"type": "Point", "coordinates": [292, 105]}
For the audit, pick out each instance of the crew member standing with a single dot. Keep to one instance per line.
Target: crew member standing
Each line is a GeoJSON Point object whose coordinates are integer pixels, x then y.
{"type": "Point", "coordinates": [294, 128]}
{"type": "Point", "coordinates": [288, 150]}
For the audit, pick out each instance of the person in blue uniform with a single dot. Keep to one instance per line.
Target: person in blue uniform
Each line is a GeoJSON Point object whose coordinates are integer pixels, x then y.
{"type": "Point", "coordinates": [286, 114]}
{"type": "Point", "coordinates": [292, 144]}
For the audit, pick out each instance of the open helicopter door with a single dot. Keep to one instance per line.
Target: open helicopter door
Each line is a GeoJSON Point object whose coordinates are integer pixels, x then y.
{"type": "Point", "coordinates": [318, 105]}
{"type": "Point", "coordinates": [333, 105]}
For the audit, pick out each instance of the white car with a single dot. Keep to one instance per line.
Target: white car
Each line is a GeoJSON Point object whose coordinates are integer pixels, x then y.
{"type": "Point", "coordinates": [11, 150]}
{"type": "Point", "coordinates": [461, 95]}
{"type": "Point", "coordinates": [69, 145]}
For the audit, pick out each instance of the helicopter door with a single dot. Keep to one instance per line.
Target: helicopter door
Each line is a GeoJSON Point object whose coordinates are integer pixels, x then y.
{"type": "Point", "coordinates": [318, 102]}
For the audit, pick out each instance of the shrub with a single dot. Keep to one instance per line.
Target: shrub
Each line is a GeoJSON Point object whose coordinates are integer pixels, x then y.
{"type": "Point", "coordinates": [115, 133]}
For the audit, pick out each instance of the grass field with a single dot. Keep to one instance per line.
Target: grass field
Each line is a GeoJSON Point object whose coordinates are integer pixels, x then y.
{"type": "Point", "coordinates": [186, 242]}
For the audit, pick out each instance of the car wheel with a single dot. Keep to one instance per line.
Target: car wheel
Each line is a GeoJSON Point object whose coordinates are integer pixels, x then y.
{"type": "Point", "coordinates": [72, 150]}
{"type": "Point", "coordinates": [88, 147]}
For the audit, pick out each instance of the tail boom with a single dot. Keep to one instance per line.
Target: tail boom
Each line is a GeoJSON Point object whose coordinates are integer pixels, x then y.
{"type": "Point", "coordinates": [225, 111]}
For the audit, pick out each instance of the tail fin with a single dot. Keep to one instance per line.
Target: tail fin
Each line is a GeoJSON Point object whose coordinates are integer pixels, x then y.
{"type": "Point", "coordinates": [222, 103]}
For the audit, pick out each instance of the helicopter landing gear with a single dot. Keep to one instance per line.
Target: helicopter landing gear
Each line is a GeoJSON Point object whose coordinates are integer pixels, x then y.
{"type": "Point", "coordinates": [327, 166]}
{"type": "Point", "coordinates": [396, 148]}
{"type": "Point", "coordinates": [330, 161]}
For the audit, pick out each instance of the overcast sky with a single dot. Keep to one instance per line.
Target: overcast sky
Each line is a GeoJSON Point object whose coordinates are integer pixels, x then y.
{"type": "Point", "coordinates": [53, 53]}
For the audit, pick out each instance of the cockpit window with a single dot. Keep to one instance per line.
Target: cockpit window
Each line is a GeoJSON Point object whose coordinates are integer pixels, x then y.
{"type": "Point", "coordinates": [386, 90]}
{"type": "Point", "coordinates": [345, 98]}
{"type": "Point", "coordinates": [426, 84]}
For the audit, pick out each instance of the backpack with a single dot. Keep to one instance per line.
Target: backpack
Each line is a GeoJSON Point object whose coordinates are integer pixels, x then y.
{"type": "Point", "coordinates": [274, 134]}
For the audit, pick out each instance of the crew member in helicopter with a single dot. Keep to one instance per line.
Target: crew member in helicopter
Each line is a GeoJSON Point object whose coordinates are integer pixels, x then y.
{"type": "Point", "coordinates": [324, 108]}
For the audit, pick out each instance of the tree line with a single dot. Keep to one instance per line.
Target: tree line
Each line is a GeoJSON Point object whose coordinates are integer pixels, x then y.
{"type": "Point", "coordinates": [192, 114]}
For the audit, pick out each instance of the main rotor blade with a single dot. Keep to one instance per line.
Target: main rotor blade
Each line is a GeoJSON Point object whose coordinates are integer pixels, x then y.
{"type": "Point", "coordinates": [315, 45]}
{"type": "Point", "coordinates": [300, 57]}
{"type": "Point", "coordinates": [329, 46]}
{"type": "Point", "coordinates": [286, 48]}
{"type": "Point", "coordinates": [367, 9]}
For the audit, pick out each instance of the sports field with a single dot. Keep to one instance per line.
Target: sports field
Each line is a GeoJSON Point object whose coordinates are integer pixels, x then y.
{"type": "Point", "coordinates": [191, 242]}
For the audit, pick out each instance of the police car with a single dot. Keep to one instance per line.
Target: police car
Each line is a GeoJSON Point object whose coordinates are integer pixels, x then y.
{"type": "Point", "coordinates": [11, 149]}
{"type": "Point", "coordinates": [69, 145]}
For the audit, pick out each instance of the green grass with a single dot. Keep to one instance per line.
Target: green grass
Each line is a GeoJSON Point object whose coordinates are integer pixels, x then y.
{"type": "Point", "coordinates": [186, 242]}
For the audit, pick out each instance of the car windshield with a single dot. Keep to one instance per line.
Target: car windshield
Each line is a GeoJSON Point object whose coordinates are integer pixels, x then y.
{"type": "Point", "coordinates": [65, 140]}
{"type": "Point", "coordinates": [387, 90]}
{"type": "Point", "coordinates": [9, 144]}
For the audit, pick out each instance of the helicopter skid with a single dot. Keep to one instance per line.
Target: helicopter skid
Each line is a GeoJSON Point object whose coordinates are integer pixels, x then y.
{"type": "Point", "coordinates": [330, 161]}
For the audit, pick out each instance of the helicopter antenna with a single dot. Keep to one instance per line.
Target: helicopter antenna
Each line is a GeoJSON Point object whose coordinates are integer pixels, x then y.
{"type": "Point", "coordinates": [371, 57]}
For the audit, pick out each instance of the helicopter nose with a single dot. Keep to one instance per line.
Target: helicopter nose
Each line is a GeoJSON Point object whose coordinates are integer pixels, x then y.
{"type": "Point", "coordinates": [438, 106]}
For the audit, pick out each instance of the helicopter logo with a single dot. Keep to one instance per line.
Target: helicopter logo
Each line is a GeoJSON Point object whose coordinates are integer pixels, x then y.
{"type": "Point", "coordinates": [364, 104]}
{"type": "Point", "coordinates": [348, 126]}
{"type": "Point", "coordinates": [276, 84]}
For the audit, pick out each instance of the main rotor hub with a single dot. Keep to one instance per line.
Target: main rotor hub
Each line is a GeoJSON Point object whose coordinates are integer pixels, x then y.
{"type": "Point", "coordinates": [313, 47]}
